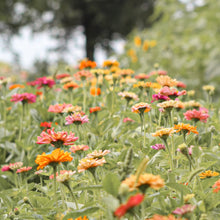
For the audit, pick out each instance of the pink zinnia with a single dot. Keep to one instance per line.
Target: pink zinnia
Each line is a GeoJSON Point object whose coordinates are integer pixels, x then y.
{"type": "Point", "coordinates": [167, 91]}
{"type": "Point", "coordinates": [76, 118]}
{"type": "Point", "coordinates": [61, 172]}
{"type": "Point", "coordinates": [159, 72]}
{"type": "Point", "coordinates": [76, 148]}
{"type": "Point", "coordinates": [184, 209]}
{"type": "Point", "coordinates": [58, 108]}
{"type": "Point", "coordinates": [128, 120]}
{"type": "Point", "coordinates": [5, 168]}
{"type": "Point", "coordinates": [181, 85]}
{"type": "Point", "coordinates": [23, 169]}
{"type": "Point", "coordinates": [159, 97]}
{"type": "Point", "coordinates": [32, 83]}
{"type": "Point", "coordinates": [44, 81]}
{"type": "Point", "coordinates": [16, 165]}
{"type": "Point", "coordinates": [158, 147]}
{"type": "Point", "coordinates": [57, 139]}
{"type": "Point", "coordinates": [82, 75]}
{"type": "Point", "coordinates": [24, 97]}
{"type": "Point", "coordinates": [196, 115]}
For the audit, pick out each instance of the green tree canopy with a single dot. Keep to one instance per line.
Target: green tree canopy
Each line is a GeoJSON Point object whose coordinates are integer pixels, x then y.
{"type": "Point", "coordinates": [102, 20]}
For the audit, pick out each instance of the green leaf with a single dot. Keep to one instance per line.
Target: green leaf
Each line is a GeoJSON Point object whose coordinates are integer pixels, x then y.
{"type": "Point", "coordinates": [82, 212]}
{"type": "Point", "coordinates": [111, 184]}
{"type": "Point", "coordinates": [179, 187]}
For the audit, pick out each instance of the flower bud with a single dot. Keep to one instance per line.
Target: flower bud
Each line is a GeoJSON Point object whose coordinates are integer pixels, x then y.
{"type": "Point", "coordinates": [123, 189]}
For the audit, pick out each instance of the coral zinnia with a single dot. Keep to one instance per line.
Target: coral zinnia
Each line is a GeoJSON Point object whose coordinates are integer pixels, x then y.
{"type": "Point", "coordinates": [87, 163]}
{"type": "Point", "coordinates": [196, 115]}
{"type": "Point", "coordinates": [76, 148]}
{"type": "Point", "coordinates": [71, 85]}
{"type": "Point", "coordinates": [57, 156]}
{"type": "Point", "coordinates": [56, 138]}
{"type": "Point", "coordinates": [58, 108]}
{"type": "Point", "coordinates": [216, 186]}
{"type": "Point", "coordinates": [95, 91]}
{"type": "Point", "coordinates": [23, 169]}
{"type": "Point", "coordinates": [186, 128]}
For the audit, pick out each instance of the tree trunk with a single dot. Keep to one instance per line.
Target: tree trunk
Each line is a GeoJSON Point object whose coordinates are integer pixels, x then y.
{"type": "Point", "coordinates": [90, 39]}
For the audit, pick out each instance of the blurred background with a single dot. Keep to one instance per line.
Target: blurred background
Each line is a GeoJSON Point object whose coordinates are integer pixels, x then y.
{"type": "Point", "coordinates": [38, 37]}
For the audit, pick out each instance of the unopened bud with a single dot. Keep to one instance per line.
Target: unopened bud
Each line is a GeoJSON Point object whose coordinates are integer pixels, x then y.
{"type": "Point", "coordinates": [123, 189]}
{"type": "Point", "coordinates": [183, 149]}
{"type": "Point", "coordinates": [16, 211]}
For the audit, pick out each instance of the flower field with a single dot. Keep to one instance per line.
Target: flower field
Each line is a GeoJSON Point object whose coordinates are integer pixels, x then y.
{"type": "Point", "coordinates": [109, 143]}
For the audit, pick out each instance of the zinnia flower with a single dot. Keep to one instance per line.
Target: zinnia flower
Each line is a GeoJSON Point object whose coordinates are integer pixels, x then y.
{"type": "Point", "coordinates": [216, 186]}
{"type": "Point", "coordinates": [141, 107]}
{"type": "Point", "coordinates": [208, 174]}
{"type": "Point", "coordinates": [70, 85]}
{"type": "Point", "coordinates": [132, 202]}
{"type": "Point", "coordinates": [16, 86]}
{"type": "Point", "coordinates": [163, 132]}
{"type": "Point", "coordinates": [98, 154]}
{"type": "Point", "coordinates": [83, 75]}
{"type": "Point", "coordinates": [57, 156]}
{"type": "Point", "coordinates": [65, 177]}
{"type": "Point", "coordinates": [158, 147]}
{"type": "Point", "coordinates": [5, 168]}
{"type": "Point", "coordinates": [171, 92]}
{"type": "Point", "coordinates": [186, 128]}
{"type": "Point", "coordinates": [94, 109]}
{"type": "Point", "coordinates": [87, 163]}
{"type": "Point", "coordinates": [141, 76]}
{"type": "Point", "coordinates": [196, 115]}
{"type": "Point", "coordinates": [187, 208]}
{"type": "Point", "coordinates": [62, 75]}
{"type": "Point", "coordinates": [59, 108]}
{"type": "Point", "coordinates": [128, 120]}
{"type": "Point", "coordinates": [79, 218]}
{"type": "Point", "coordinates": [24, 97]}
{"type": "Point", "coordinates": [46, 124]}
{"type": "Point", "coordinates": [76, 148]}
{"type": "Point", "coordinates": [61, 172]}
{"type": "Point", "coordinates": [76, 118]}
{"type": "Point", "coordinates": [159, 97]}
{"type": "Point", "coordinates": [144, 181]}
{"type": "Point", "coordinates": [57, 139]}
{"type": "Point", "coordinates": [16, 165]}
{"type": "Point", "coordinates": [85, 64]}
{"type": "Point", "coordinates": [109, 63]}
{"type": "Point", "coordinates": [23, 169]}
{"type": "Point", "coordinates": [161, 217]}
{"type": "Point", "coordinates": [44, 81]}
{"type": "Point", "coordinates": [95, 91]}
{"type": "Point", "coordinates": [166, 81]}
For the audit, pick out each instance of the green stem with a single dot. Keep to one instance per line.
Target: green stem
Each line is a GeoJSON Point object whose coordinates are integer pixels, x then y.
{"type": "Point", "coordinates": [72, 195]}
{"type": "Point", "coordinates": [55, 184]}
{"type": "Point", "coordinates": [144, 131]}
{"type": "Point", "coordinates": [84, 95]}
{"type": "Point", "coordinates": [170, 155]}
{"type": "Point", "coordinates": [21, 122]}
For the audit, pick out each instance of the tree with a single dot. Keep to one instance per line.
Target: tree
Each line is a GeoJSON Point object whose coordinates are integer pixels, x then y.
{"type": "Point", "coordinates": [102, 20]}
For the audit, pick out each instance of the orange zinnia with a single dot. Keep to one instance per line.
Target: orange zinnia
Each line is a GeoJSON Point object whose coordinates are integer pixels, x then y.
{"type": "Point", "coordinates": [16, 86]}
{"type": "Point", "coordinates": [71, 85]}
{"type": "Point", "coordinates": [57, 156]}
{"type": "Point", "coordinates": [95, 91]}
{"type": "Point", "coordinates": [163, 132]}
{"type": "Point", "coordinates": [185, 128]}
{"type": "Point", "coordinates": [155, 182]}
{"type": "Point", "coordinates": [87, 64]}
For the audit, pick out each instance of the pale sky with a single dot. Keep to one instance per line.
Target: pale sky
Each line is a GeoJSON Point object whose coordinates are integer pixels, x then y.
{"type": "Point", "coordinates": [31, 47]}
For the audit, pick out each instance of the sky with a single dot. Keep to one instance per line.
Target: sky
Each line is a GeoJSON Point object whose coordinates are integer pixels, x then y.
{"type": "Point", "coordinates": [31, 47]}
